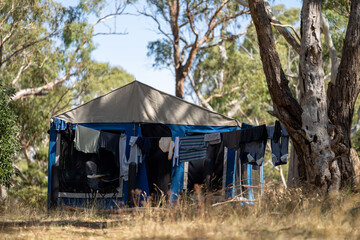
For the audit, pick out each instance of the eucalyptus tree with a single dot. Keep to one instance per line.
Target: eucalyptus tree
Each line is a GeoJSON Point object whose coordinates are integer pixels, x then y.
{"type": "Point", "coordinates": [45, 62]}
{"type": "Point", "coordinates": [243, 93]}
{"type": "Point", "coordinates": [187, 27]}
{"type": "Point", "coordinates": [320, 123]}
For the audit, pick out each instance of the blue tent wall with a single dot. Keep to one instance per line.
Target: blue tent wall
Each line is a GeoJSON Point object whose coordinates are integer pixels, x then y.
{"type": "Point", "coordinates": [133, 129]}
{"type": "Point", "coordinates": [52, 150]}
{"type": "Point", "coordinates": [55, 126]}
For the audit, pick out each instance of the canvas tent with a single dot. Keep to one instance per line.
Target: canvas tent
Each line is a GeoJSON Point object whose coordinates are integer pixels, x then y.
{"type": "Point", "coordinates": [136, 109]}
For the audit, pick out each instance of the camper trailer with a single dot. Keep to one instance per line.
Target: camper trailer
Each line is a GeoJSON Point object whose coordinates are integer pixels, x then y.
{"type": "Point", "coordinates": [139, 139]}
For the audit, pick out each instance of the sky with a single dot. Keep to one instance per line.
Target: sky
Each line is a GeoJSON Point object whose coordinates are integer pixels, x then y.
{"type": "Point", "coordinates": [129, 51]}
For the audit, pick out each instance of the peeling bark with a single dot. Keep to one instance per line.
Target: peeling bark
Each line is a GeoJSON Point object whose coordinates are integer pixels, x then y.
{"type": "Point", "coordinates": [313, 100]}
{"type": "Point", "coordinates": [342, 96]}
{"type": "Point", "coordinates": [325, 158]}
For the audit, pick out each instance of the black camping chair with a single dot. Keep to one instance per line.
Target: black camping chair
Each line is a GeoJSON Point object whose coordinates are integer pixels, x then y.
{"type": "Point", "coordinates": [98, 183]}
{"type": "Point", "coordinates": [92, 180]}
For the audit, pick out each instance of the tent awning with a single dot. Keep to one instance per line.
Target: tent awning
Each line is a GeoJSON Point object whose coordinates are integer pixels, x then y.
{"type": "Point", "coordinates": [138, 102]}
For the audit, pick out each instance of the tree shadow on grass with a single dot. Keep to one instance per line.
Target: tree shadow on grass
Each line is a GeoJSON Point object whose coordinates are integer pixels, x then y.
{"type": "Point", "coordinates": [37, 223]}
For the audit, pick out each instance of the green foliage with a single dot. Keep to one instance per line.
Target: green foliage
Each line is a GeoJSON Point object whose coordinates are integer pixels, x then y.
{"type": "Point", "coordinates": [161, 49]}
{"type": "Point", "coordinates": [31, 189]}
{"type": "Point", "coordinates": [8, 138]}
{"type": "Point", "coordinates": [242, 68]}
{"type": "Point", "coordinates": [101, 78]}
{"type": "Point", "coordinates": [46, 42]}
{"type": "Point", "coordinates": [355, 142]}
{"type": "Point", "coordinates": [240, 71]}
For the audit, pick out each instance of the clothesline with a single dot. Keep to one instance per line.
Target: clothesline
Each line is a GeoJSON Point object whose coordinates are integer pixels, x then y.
{"type": "Point", "coordinates": [250, 141]}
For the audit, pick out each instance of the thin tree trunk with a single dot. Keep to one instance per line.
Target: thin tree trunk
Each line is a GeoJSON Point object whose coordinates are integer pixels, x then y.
{"type": "Point", "coordinates": [180, 79]}
{"type": "Point", "coordinates": [293, 172]}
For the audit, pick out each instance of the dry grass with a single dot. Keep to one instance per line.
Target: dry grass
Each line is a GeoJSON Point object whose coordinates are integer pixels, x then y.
{"type": "Point", "coordinates": [278, 215]}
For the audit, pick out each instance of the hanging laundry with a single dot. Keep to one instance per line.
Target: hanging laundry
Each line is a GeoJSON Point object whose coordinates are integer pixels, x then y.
{"type": "Point", "coordinates": [253, 142]}
{"type": "Point", "coordinates": [166, 144]}
{"type": "Point", "coordinates": [110, 141]}
{"type": "Point", "coordinates": [144, 144]}
{"type": "Point", "coordinates": [212, 138]}
{"type": "Point", "coordinates": [279, 143]}
{"type": "Point", "coordinates": [135, 151]}
{"type": "Point", "coordinates": [122, 156]}
{"type": "Point", "coordinates": [192, 148]}
{"type": "Point", "coordinates": [124, 166]}
{"type": "Point", "coordinates": [231, 139]}
{"type": "Point", "coordinates": [86, 139]}
{"type": "Point", "coordinates": [284, 145]}
{"type": "Point", "coordinates": [176, 152]}
{"type": "Point", "coordinates": [255, 152]}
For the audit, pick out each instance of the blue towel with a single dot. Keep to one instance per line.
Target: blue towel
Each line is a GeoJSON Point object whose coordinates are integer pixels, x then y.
{"type": "Point", "coordinates": [192, 148]}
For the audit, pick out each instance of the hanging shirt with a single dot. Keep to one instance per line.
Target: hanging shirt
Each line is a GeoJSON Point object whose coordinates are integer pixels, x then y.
{"type": "Point", "coordinates": [86, 139]}
{"type": "Point", "coordinates": [124, 166]}
{"type": "Point", "coordinates": [192, 148]}
{"type": "Point", "coordinates": [122, 156]}
{"type": "Point", "coordinates": [110, 141]}
{"type": "Point", "coordinates": [231, 139]}
{"type": "Point", "coordinates": [176, 152]}
{"type": "Point", "coordinates": [135, 151]}
{"type": "Point", "coordinates": [144, 144]}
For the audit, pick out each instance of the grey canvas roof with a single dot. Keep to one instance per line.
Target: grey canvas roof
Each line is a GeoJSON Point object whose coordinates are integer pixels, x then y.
{"type": "Point", "coordinates": [138, 102]}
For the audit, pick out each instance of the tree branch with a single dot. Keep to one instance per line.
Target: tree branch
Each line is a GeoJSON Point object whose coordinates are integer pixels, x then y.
{"type": "Point", "coordinates": [287, 26]}
{"type": "Point", "coordinates": [159, 25]}
{"type": "Point", "coordinates": [38, 90]}
{"type": "Point", "coordinates": [25, 46]}
{"type": "Point", "coordinates": [199, 95]}
{"type": "Point", "coordinates": [50, 85]}
{"type": "Point", "coordinates": [286, 107]}
{"type": "Point", "coordinates": [218, 95]}
{"type": "Point", "coordinates": [277, 24]}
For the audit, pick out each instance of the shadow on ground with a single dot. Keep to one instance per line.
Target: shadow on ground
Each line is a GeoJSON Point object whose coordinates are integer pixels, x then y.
{"type": "Point", "coordinates": [74, 223]}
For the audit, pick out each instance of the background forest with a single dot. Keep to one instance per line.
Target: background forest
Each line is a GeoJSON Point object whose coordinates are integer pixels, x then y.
{"type": "Point", "coordinates": [46, 67]}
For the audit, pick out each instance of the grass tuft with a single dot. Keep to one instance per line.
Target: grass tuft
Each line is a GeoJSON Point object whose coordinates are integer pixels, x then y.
{"type": "Point", "coordinates": [279, 214]}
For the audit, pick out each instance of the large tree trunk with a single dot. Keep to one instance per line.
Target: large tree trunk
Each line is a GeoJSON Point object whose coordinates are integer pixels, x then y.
{"type": "Point", "coordinates": [306, 123]}
{"type": "Point", "coordinates": [314, 151]}
{"type": "Point", "coordinates": [342, 96]}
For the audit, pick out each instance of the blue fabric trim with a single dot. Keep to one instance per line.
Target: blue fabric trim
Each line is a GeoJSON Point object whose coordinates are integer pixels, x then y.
{"type": "Point", "coordinates": [51, 159]}
{"type": "Point", "coordinates": [177, 182]}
